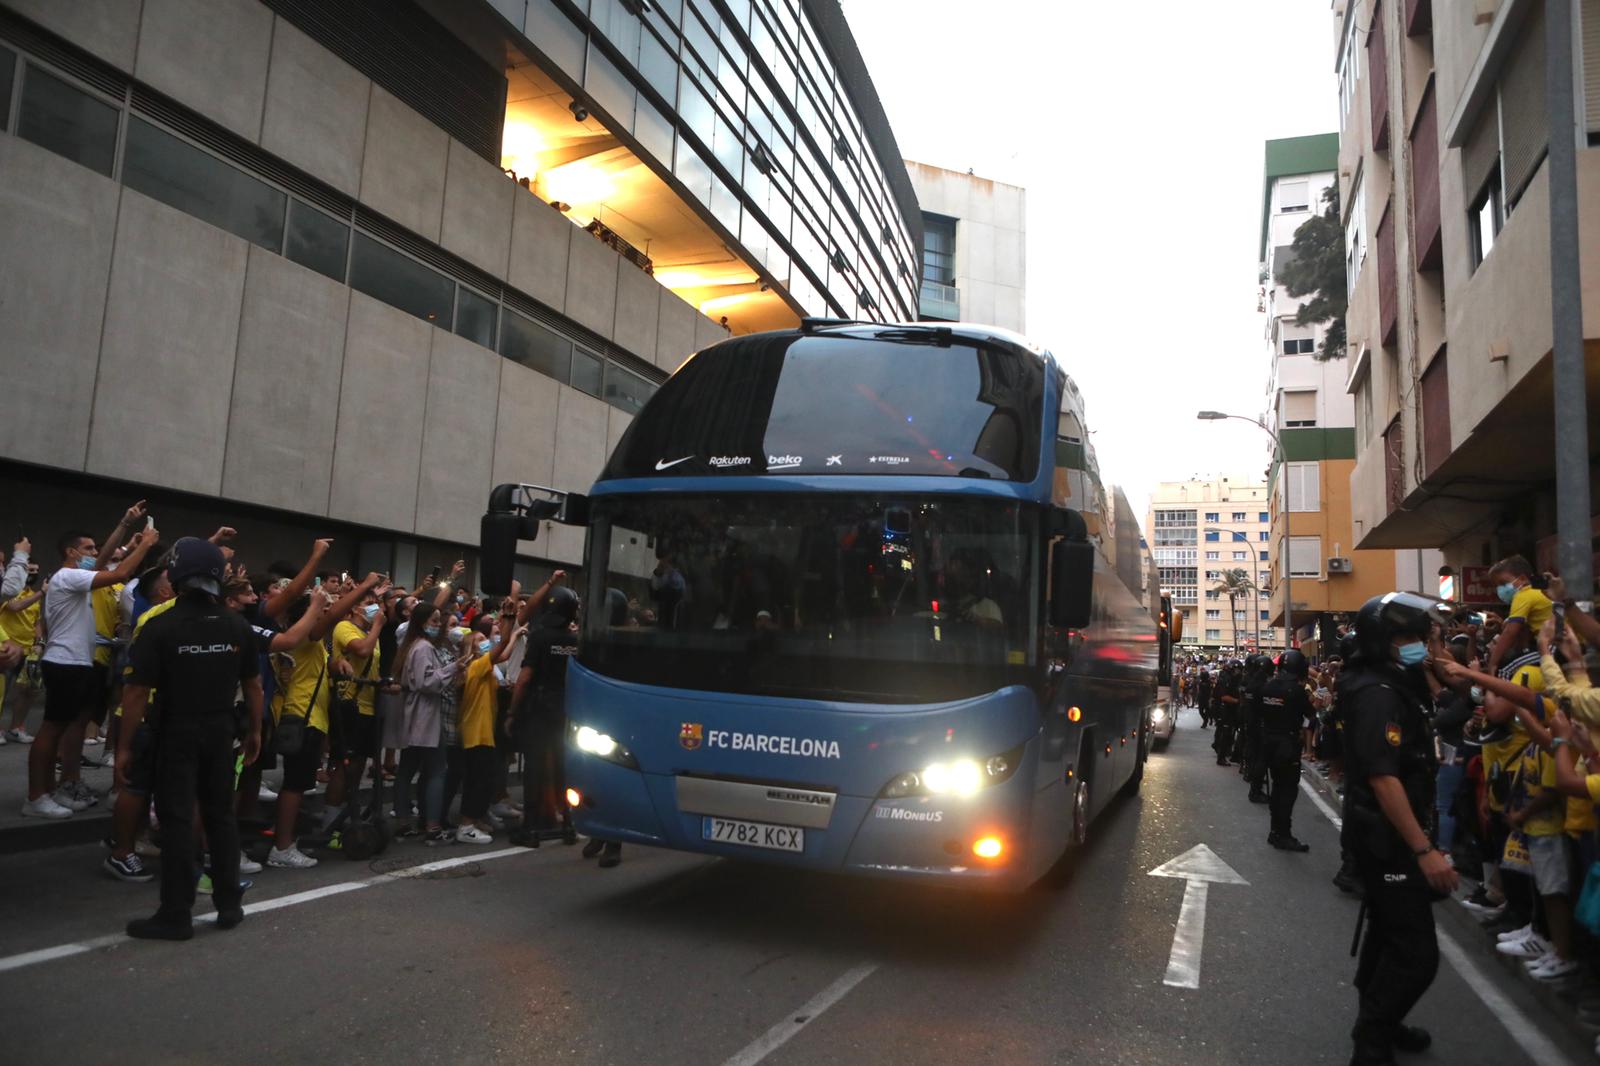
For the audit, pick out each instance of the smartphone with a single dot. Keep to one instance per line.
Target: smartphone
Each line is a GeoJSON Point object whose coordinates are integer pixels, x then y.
{"type": "Point", "coordinates": [1559, 610]}
{"type": "Point", "coordinates": [435, 573]}
{"type": "Point", "coordinates": [317, 584]}
{"type": "Point", "coordinates": [149, 522]}
{"type": "Point", "coordinates": [344, 577]}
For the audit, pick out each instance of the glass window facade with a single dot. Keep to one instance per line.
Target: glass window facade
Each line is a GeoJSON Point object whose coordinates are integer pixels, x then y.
{"type": "Point", "coordinates": [197, 183]}
{"type": "Point", "coordinates": [8, 73]}
{"type": "Point", "coordinates": [709, 87]}
{"type": "Point", "coordinates": [68, 121]}
{"type": "Point", "coordinates": [317, 241]}
{"type": "Point", "coordinates": [397, 280]}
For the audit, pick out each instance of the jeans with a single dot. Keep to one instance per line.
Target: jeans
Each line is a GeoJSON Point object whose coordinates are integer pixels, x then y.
{"type": "Point", "coordinates": [1447, 784]}
{"type": "Point", "coordinates": [431, 763]}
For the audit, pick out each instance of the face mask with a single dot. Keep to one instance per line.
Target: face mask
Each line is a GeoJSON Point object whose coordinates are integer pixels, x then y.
{"type": "Point", "coordinates": [461, 597]}
{"type": "Point", "coordinates": [86, 562]}
{"type": "Point", "coordinates": [1412, 654]}
{"type": "Point", "coordinates": [370, 610]}
{"type": "Point", "coordinates": [1506, 592]}
{"type": "Point", "coordinates": [484, 647]}
{"type": "Point", "coordinates": [494, 641]}
{"type": "Point", "coordinates": [431, 632]}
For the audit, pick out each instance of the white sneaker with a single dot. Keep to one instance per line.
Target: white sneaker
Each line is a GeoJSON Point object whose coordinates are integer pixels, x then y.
{"type": "Point", "coordinates": [146, 847]}
{"type": "Point", "coordinates": [85, 793]}
{"type": "Point", "coordinates": [471, 834]}
{"type": "Point", "coordinates": [1515, 934]}
{"type": "Point", "coordinates": [19, 736]}
{"type": "Point", "coordinates": [67, 797]}
{"type": "Point", "coordinates": [3, 740]}
{"type": "Point", "coordinates": [290, 858]}
{"type": "Point", "coordinates": [1531, 946]}
{"type": "Point", "coordinates": [505, 810]}
{"type": "Point", "coordinates": [265, 793]}
{"type": "Point", "coordinates": [1553, 968]}
{"type": "Point", "coordinates": [247, 865]}
{"type": "Point", "coordinates": [45, 807]}
{"type": "Point", "coordinates": [92, 741]}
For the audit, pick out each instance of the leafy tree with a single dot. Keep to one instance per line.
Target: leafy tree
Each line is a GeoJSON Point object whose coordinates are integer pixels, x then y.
{"type": "Point", "coordinates": [1315, 268]}
{"type": "Point", "coordinates": [1234, 583]}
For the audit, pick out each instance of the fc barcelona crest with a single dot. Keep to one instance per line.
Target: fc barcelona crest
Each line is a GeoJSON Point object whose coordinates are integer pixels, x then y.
{"type": "Point", "coordinates": [690, 735]}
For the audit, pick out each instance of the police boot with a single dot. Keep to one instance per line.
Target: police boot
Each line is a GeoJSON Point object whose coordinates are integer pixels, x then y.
{"type": "Point", "coordinates": [611, 856]}
{"type": "Point", "coordinates": [1410, 1039]}
{"type": "Point", "coordinates": [591, 849]}
{"type": "Point", "coordinates": [1346, 880]}
{"type": "Point", "coordinates": [1258, 796]}
{"type": "Point", "coordinates": [1373, 1046]}
{"type": "Point", "coordinates": [1287, 842]}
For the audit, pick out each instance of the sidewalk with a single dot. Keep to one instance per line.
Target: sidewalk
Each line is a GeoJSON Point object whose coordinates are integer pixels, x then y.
{"type": "Point", "coordinates": [1560, 999]}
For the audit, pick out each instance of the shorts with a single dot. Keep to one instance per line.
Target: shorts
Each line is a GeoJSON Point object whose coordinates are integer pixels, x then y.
{"type": "Point", "coordinates": [300, 769]}
{"type": "Point", "coordinates": [142, 761]}
{"type": "Point", "coordinates": [69, 691]}
{"type": "Point", "coordinates": [102, 692]}
{"type": "Point", "coordinates": [358, 735]}
{"type": "Point", "coordinates": [1550, 865]}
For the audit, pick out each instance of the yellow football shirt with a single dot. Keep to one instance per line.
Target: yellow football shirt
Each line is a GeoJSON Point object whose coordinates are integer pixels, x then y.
{"type": "Point", "coordinates": [303, 684]}
{"type": "Point", "coordinates": [344, 634]}
{"type": "Point", "coordinates": [477, 704]}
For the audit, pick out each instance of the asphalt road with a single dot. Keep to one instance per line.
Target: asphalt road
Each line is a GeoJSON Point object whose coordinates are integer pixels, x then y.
{"type": "Point", "coordinates": [537, 956]}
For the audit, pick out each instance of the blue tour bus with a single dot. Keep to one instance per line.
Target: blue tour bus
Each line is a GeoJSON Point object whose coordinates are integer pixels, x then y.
{"type": "Point", "coordinates": [854, 599]}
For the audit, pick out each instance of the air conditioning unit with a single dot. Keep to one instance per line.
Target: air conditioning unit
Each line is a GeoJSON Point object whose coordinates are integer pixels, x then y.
{"type": "Point", "coordinates": [1339, 564]}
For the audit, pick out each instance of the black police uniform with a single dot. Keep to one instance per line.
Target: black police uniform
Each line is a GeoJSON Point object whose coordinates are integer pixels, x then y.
{"type": "Point", "coordinates": [1249, 740]}
{"type": "Point", "coordinates": [540, 724]}
{"type": "Point", "coordinates": [1202, 691]}
{"type": "Point", "coordinates": [1225, 713]}
{"type": "Point", "coordinates": [195, 656]}
{"type": "Point", "coordinates": [1284, 710]}
{"type": "Point", "coordinates": [1387, 733]}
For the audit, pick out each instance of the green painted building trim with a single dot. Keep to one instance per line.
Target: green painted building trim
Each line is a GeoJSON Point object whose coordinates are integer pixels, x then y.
{"type": "Point", "coordinates": [1313, 445]}
{"type": "Point", "coordinates": [1288, 157]}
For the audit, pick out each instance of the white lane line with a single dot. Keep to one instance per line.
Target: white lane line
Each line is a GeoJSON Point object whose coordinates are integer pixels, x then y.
{"type": "Point", "coordinates": [1518, 1025]}
{"type": "Point", "coordinates": [1183, 966]}
{"type": "Point", "coordinates": [780, 1034]}
{"type": "Point", "coordinates": [63, 951]}
{"type": "Point", "coordinates": [1528, 1036]}
{"type": "Point", "coordinates": [1322, 804]}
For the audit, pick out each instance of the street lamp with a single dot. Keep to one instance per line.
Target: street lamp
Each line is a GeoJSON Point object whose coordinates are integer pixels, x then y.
{"type": "Point", "coordinates": [1233, 623]}
{"type": "Point", "coordinates": [1283, 460]}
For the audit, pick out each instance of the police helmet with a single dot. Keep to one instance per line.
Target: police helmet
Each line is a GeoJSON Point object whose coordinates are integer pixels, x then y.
{"type": "Point", "coordinates": [1293, 662]}
{"type": "Point", "coordinates": [1394, 614]}
{"type": "Point", "coordinates": [196, 564]}
{"type": "Point", "coordinates": [563, 603]}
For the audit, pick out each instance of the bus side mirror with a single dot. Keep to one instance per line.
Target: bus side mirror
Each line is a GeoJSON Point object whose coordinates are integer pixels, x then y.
{"type": "Point", "coordinates": [498, 533]}
{"type": "Point", "coordinates": [1071, 584]}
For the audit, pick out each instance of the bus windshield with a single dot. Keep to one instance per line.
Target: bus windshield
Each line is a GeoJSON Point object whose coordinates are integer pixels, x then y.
{"type": "Point", "coordinates": [880, 598]}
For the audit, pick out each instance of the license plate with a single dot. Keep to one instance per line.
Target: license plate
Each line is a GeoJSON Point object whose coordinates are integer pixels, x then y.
{"type": "Point", "coordinates": [753, 834]}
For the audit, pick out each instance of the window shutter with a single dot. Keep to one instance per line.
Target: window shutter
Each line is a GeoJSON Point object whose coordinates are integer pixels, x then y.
{"type": "Point", "coordinates": [1591, 63]}
{"type": "Point", "coordinates": [1522, 99]}
{"type": "Point", "coordinates": [1299, 407]}
{"type": "Point", "coordinates": [1305, 556]}
{"type": "Point", "coordinates": [1481, 154]}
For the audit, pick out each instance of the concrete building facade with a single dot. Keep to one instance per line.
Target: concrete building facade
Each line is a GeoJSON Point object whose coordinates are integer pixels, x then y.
{"type": "Point", "coordinates": [1445, 185]}
{"type": "Point", "coordinates": [319, 268]}
{"type": "Point", "coordinates": [974, 249]}
{"type": "Point", "coordinates": [1199, 530]}
{"type": "Point", "coordinates": [1313, 539]}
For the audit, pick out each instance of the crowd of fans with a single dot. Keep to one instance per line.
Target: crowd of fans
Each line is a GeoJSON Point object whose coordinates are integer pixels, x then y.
{"type": "Point", "coordinates": [422, 690]}
{"type": "Point", "coordinates": [1516, 721]}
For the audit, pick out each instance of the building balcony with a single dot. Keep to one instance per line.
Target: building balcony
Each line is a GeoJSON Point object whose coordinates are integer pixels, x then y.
{"type": "Point", "coordinates": [939, 301]}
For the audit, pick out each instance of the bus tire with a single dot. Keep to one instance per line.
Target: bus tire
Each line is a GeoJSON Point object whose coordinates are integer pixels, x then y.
{"type": "Point", "coordinates": [1131, 786]}
{"type": "Point", "coordinates": [1080, 814]}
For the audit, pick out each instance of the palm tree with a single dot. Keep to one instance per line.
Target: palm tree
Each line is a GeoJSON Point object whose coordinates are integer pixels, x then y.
{"type": "Point", "coordinates": [1236, 583]}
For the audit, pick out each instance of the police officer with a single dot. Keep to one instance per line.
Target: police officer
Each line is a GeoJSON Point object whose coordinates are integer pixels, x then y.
{"type": "Point", "coordinates": [196, 656]}
{"type": "Point", "coordinates": [1389, 768]}
{"type": "Point", "coordinates": [1285, 707]}
{"type": "Point", "coordinates": [540, 724]}
{"type": "Point", "coordinates": [1258, 670]}
{"type": "Point", "coordinates": [1225, 711]}
{"type": "Point", "coordinates": [1202, 692]}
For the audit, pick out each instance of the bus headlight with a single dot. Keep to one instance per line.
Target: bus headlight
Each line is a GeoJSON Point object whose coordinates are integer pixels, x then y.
{"type": "Point", "coordinates": [591, 741]}
{"type": "Point", "coordinates": [1158, 715]}
{"type": "Point", "coordinates": [955, 777]}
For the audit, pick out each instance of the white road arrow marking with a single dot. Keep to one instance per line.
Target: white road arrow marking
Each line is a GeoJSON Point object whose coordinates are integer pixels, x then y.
{"type": "Point", "coordinates": [1199, 867]}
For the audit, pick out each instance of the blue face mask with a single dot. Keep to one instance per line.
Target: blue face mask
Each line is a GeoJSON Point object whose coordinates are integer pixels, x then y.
{"type": "Point", "coordinates": [370, 610]}
{"type": "Point", "coordinates": [87, 562]}
{"type": "Point", "coordinates": [484, 647]}
{"type": "Point", "coordinates": [1506, 592]}
{"type": "Point", "coordinates": [431, 632]}
{"type": "Point", "coordinates": [494, 641]}
{"type": "Point", "coordinates": [1412, 654]}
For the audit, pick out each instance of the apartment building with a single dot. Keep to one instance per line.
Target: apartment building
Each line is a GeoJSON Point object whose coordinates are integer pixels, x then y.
{"type": "Point", "coordinates": [974, 247]}
{"type": "Point", "coordinates": [1198, 531]}
{"type": "Point", "coordinates": [338, 268]}
{"type": "Point", "coordinates": [1446, 193]}
{"type": "Point", "coordinates": [1308, 407]}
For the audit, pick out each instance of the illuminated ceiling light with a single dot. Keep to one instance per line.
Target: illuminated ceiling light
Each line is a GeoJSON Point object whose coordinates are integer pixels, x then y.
{"type": "Point", "coordinates": [722, 304]}
{"type": "Point", "coordinates": [578, 182]}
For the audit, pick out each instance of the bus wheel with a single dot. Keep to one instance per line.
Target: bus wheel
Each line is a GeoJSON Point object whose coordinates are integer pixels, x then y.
{"type": "Point", "coordinates": [1080, 814]}
{"type": "Point", "coordinates": [1132, 786]}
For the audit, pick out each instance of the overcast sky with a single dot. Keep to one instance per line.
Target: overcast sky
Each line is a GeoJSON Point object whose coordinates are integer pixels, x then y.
{"type": "Point", "coordinates": [1139, 139]}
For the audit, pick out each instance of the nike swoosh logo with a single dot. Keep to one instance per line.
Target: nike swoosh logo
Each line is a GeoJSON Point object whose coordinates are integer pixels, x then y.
{"type": "Point", "coordinates": [662, 466]}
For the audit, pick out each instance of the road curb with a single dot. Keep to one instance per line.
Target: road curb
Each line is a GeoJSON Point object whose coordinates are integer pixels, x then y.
{"type": "Point", "coordinates": [1561, 1001]}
